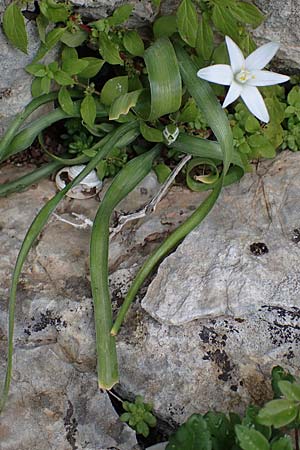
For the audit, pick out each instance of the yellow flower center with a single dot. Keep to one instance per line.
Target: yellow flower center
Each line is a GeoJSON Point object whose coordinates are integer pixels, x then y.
{"type": "Point", "coordinates": [243, 76]}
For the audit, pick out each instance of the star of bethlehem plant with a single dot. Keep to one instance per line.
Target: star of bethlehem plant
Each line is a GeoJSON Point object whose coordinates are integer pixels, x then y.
{"type": "Point", "coordinates": [134, 96]}
{"type": "Point", "coordinates": [244, 75]}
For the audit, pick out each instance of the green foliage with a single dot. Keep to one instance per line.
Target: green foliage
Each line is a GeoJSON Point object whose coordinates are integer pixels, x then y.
{"type": "Point", "coordinates": [135, 86]}
{"type": "Point", "coordinates": [14, 27]}
{"type": "Point", "coordinates": [257, 430]}
{"type": "Point", "coordinates": [139, 415]}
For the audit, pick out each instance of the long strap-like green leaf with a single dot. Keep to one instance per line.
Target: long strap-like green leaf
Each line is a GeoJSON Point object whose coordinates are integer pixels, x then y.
{"type": "Point", "coordinates": [36, 227]}
{"type": "Point", "coordinates": [123, 183]}
{"type": "Point", "coordinates": [27, 180]}
{"type": "Point", "coordinates": [217, 120]}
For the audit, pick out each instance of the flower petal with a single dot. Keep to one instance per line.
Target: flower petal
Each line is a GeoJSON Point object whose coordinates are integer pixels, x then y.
{"type": "Point", "coordinates": [255, 103]}
{"type": "Point", "coordinates": [266, 78]}
{"type": "Point", "coordinates": [261, 56]}
{"type": "Point", "coordinates": [233, 93]}
{"type": "Point", "coordinates": [219, 73]}
{"type": "Point", "coordinates": [236, 56]}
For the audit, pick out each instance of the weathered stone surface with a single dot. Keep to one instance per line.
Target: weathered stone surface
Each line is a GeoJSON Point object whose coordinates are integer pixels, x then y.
{"type": "Point", "coordinates": [214, 272]}
{"type": "Point", "coordinates": [281, 25]}
{"type": "Point", "coordinates": [221, 362]}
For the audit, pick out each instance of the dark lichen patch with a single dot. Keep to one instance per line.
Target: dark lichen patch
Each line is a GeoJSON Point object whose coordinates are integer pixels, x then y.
{"type": "Point", "coordinates": [46, 319]}
{"type": "Point", "coordinates": [285, 329]}
{"type": "Point", "coordinates": [222, 360]}
{"type": "Point", "coordinates": [71, 425]}
{"type": "Point", "coordinates": [296, 235]}
{"type": "Point", "coordinates": [208, 335]}
{"type": "Point", "coordinates": [290, 354]}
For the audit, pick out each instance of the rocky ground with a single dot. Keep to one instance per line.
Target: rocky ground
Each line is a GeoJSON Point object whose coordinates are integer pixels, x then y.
{"type": "Point", "coordinates": [221, 311]}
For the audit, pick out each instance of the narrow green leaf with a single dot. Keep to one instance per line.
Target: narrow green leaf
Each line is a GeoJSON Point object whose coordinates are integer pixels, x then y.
{"type": "Point", "coordinates": [36, 227]}
{"type": "Point", "coordinates": [14, 27]}
{"type": "Point", "coordinates": [93, 67]}
{"type": "Point", "coordinates": [194, 181]}
{"type": "Point", "coordinates": [278, 413]}
{"type": "Point", "coordinates": [65, 100]}
{"type": "Point", "coordinates": [204, 43]}
{"type": "Point", "coordinates": [208, 104]}
{"type": "Point", "coordinates": [165, 80]}
{"type": "Point", "coordinates": [165, 26]}
{"type": "Point", "coordinates": [122, 104]}
{"type": "Point", "coordinates": [133, 43]}
{"type": "Point", "coordinates": [151, 134]}
{"type": "Point", "coordinates": [109, 50]}
{"type": "Point", "coordinates": [88, 110]}
{"type": "Point", "coordinates": [131, 174]}
{"type": "Point", "coordinates": [187, 22]}
{"type": "Point", "coordinates": [251, 439]}
{"type": "Point", "coordinates": [113, 88]}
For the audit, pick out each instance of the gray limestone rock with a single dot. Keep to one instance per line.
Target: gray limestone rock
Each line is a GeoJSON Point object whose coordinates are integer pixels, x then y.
{"type": "Point", "coordinates": [217, 271]}
{"type": "Point", "coordinates": [281, 25]}
{"type": "Point", "coordinates": [178, 359]}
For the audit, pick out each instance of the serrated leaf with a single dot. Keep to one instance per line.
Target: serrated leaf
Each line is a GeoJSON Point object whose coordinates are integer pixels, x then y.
{"type": "Point", "coordinates": [247, 13]}
{"type": "Point", "coordinates": [250, 439]}
{"type": "Point", "coordinates": [74, 66]}
{"type": "Point", "coordinates": [204, 42]}
{"type": "Point", "coordinates": [122, 104]}
{"type": "Point", "coordinates": [93, 67]}
{"type": "Point", "coordinates": [133, 43]}
{"type": "Point", "coordinates": [278, 413]}
{"type": "Point", "coordinates": [151, 134]}
{"type": "Point", "coordinates": [74, 39]}
{"type": "Point", "coordinates": [14, 27]}
{"type": "Point", "coordinates": [109, 50]}
{"type": "Point", "coordinates": [113, 88]}
{"type": "Point", "coordinates": [120, 15]}
{"type": "Point", "coordinates": [192, 435]}
{"type": "Point", "coordinates": [38, 70]}
{"type": "Point", "coordinates": [165, 26]}
{"type": "Point", "coordinates": [42, 22]}
{"type": "Point", "coordinates": [290, 390]}
{"type": "Point", "coordinates": [187, 22]}
{"type": "Point", "coordinates": [63, 78]}
{"type": "Point", "coordinates": [65, 100]}
{"type": "Point", "coordinates": [225, 22]}
{"type": "Point", "coordinates": [88, 110]}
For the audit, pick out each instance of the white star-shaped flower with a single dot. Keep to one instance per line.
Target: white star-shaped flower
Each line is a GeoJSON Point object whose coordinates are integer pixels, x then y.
{"type": "Point", "coordinates": [243, 75]}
